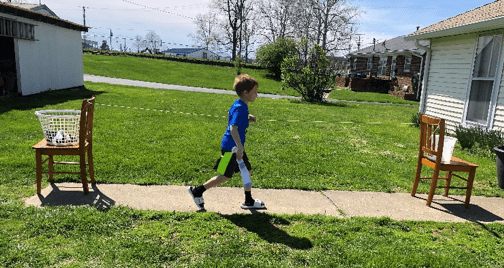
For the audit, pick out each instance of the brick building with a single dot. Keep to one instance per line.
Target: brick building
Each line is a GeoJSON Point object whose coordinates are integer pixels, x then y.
{"type": "Point", "coordinates": [394, 59]}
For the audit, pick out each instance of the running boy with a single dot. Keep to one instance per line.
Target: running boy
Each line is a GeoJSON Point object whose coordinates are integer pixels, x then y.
{"type": "Point", "coordinates": [238, 122]}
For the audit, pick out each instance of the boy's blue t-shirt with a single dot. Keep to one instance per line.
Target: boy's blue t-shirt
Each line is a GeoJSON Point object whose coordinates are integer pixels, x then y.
{"type": "Point", "coordinates": [237, 116]}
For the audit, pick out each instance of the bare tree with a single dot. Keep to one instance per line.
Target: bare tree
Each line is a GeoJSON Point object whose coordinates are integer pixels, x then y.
{"type": "Point", "coordinates": [332, 23]}
{"type": "Point", "coordinates": [153, 41]}
{"type": "Point", "coordinates": [206, 30]}
{"type": "Point", "coordinates": [276, 19]}
{"type": "Point", "coordinates": [235, 13]}
{"type": "Point", "coordinates": [138, 43]}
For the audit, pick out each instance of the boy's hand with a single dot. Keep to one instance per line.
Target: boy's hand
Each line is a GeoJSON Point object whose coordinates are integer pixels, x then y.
{"type": "Point", "coordinates": [252, 118]}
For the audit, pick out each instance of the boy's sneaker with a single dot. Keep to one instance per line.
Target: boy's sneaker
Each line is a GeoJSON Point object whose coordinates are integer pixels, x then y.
{"type": "Point", "coordinates": [197, 199]}
{"type": "Point", "coordinates": [257, 204]}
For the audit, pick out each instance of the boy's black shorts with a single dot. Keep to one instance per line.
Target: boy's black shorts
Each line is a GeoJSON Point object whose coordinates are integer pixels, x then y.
{"type": "Point", "coordinates": [233, 165]}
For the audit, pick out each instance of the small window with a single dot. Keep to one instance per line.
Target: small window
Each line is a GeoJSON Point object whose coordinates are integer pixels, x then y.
{"type": "Point", "coordinates": [205, 55]}
{"type": "Point", "coordinates": [354, 66]}
{"type": "Point", "coordinates": [382, 66]}
{"type": "Point", "coordinates": [407, 64]}
{"type": "Point", "coordinates": [369, 64]}
{"type": "Point", "coordinates": [393, 67]}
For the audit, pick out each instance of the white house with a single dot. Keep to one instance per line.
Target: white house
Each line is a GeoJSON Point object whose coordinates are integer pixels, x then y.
{"type": "Point", "coordinates": [40, 52]}
{"type": "Point", "coordinates": [463, 81]}
{"type": "Point", "coordinates": [199, 53]}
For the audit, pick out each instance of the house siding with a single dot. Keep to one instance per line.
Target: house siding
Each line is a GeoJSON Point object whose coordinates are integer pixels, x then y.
{"type": "Point", "coordinates": [451, 63]}
{"type": "Point", "coordinates": [498, 123]}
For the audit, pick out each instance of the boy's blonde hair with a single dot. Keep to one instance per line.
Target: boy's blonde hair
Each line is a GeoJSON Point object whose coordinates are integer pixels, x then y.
{"type": "Point", "coordinates": [243, 83]}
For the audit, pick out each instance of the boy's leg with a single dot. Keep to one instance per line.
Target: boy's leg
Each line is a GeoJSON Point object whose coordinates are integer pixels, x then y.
{"type": "Point", "coordinates": [197, 192]}
{"type": "Point", "coordinates": [215, 181]}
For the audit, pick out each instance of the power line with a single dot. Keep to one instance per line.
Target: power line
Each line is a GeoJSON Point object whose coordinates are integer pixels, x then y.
{"type": "Point", "coordinates": [133, 39]}
{"type": "Point", "coordinates": [157, 9]}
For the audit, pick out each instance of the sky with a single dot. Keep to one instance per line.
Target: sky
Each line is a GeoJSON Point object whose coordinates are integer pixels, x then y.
{"type": "Point", "coordinates": [172, 20]}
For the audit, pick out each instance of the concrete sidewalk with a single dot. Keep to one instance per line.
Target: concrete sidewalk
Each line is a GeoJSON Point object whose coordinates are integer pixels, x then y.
{"type": "Point", "coordinates": [227, 200]}
{"type": "Point", "coordinates": [136, 83]}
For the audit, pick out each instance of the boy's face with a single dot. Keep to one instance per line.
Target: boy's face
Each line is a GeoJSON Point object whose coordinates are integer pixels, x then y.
{"type": "Point", "coordinates": [251, 95]}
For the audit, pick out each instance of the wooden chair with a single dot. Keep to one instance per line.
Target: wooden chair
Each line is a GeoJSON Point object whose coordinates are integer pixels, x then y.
{"type": "Point", "coordinates": [430, 156]}
{"type": "Point", "coordinates": [85, 145]}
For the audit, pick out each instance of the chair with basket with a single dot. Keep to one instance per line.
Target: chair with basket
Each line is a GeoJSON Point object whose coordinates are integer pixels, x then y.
{"type": "Point", "coordinates": [67, 132]}
{"type": "Point", "coordinates": [430, 154]}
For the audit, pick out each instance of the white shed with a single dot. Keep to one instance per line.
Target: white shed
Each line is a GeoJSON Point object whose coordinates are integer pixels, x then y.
{"type": "Point", "coordinates": [39, 52]}
{"type": "Point", "coordinates": [463, 78]}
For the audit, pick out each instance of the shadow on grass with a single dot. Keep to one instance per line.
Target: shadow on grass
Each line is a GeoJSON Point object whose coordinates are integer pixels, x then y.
{"type": "Point", "coordinates": [268, 228]}
{"type": "Point", "coordinates": [74, 196]}
{"type": "Point", "coordinates": [46, 98]}
{"type": "Point", "coordinates": [331, 103]}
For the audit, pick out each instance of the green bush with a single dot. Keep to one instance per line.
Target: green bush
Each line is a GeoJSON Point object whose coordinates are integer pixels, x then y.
{"type": "Point", "coordinates": [271, 56]}
{"type": "Point", "coordinates": [479, 140]}
{"type": "Point", "coordinates": [415, 119]}
{"type": "Point", "coordinates": [309, 78]}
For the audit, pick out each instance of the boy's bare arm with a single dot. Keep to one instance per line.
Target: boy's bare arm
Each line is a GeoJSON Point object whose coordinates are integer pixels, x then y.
{"type": "Point", "coordinates": [237, 140]}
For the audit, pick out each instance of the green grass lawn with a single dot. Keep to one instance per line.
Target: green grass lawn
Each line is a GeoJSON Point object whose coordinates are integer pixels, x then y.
{"type": "Point", "coordinates": [294, 145]}
{"type": "Point", "coordinates": [176, 73]}
{"type": "Point", "coordinates": [345, 94]}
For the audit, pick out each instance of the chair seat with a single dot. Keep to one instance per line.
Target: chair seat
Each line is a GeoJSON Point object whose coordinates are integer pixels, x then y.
{"type": "Point", "coordinates": [456, 164]}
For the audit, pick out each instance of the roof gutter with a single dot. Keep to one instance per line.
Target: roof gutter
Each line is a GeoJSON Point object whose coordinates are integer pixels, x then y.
{"type": "Point", "coordinates": [425, 77]}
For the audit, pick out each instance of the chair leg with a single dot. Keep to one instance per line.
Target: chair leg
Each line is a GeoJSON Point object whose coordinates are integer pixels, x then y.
{"type": "Point", "coordinates": [470, 181]}
{"type": "Point", "coordinates": [433, 186]}
{"type": "Point", "coordinates": [448, 181]}
{"type": "Point", "coordinates": [90, 162]}
{"type": "Point", "coordinates": [39, 170]}
{"type": "Point", "coordinates": [417, 177]}
{"type": "Point", "coordinates": [51, 168]}
{"type": "Point", "coordinates": [83, 173]}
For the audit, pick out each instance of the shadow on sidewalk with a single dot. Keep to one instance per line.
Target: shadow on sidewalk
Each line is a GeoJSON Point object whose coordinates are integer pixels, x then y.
{"type": "Point", "coordinates": [457, 208]}
{"type": "Point", "coordinates": [76, 198]}
{"type": "Point", "coordinates": [268, 228]}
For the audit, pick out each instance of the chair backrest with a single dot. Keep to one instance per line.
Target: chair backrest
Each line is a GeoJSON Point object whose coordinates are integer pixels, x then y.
{"type": "Point", "coordinates": [429, 128]}
{"type": "Point", "coordinates": [86, 122]}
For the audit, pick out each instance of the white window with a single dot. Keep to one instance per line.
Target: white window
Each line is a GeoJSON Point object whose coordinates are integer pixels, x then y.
{"type": "Point", "coordinates": [407, 64]}
{"type": "Point", "coordinates": [382, 66]}
{"type": "Point", "coordinates": [369, 64]}
{"type": "Point", "coordinates": [393, 67]}
{"type": "Point", "coordinates": [484, 80]}
{"type": "Point", "coordinates": [354, 66]}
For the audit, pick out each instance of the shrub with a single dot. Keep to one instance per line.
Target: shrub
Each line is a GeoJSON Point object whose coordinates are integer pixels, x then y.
{"type": "Point", "coordinates": [309, 78]}
{"type": "Point", "coordinates": [479, 140]}
{"type": "Point", "coordinates": [238, 63]}
{"type": "Point", "coordinates": [415, 119]}
{"type": "Point", "coordinates": [271, 56]}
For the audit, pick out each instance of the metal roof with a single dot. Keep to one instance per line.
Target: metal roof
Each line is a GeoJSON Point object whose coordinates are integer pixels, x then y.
{"type": "Point", "coordinates": [182, 50]}
{"type": "Point", "coordinates": [395, 45]}
{"type": "Point", "coordinates": [7, 8]}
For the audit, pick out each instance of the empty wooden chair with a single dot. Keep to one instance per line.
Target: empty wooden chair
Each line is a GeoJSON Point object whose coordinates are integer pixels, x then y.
{"type": "Point", "coordinates": [83, 147]}
{"type": "Point", "coordinates": [430, 156]}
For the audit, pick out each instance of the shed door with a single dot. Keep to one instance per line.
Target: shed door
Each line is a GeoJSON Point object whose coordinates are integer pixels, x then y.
{"type": "Point", "coordinates": [484, 81]}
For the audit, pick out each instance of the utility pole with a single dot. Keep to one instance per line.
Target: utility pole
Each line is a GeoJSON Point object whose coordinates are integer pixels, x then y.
{"type": "Point", "coordinates": [84, 15]}
{"type": "Point", "coordinates": [111, 38]}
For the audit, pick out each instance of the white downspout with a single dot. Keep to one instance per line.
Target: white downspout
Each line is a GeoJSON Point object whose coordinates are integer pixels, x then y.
{"type": "Point", "coordinates": [425, 77]}
{"type": "Point", "coordinates": [418, 89]}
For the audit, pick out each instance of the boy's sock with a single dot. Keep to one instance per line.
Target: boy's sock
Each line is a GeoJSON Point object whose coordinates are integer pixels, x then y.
{"type": "Point", "coordinates": [198, 191]}
{"type": "Point", "coordinates": [248, 198]}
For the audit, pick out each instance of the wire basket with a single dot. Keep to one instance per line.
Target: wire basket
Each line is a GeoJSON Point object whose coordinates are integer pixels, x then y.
{"type": "Point", "coordinates": [60, 127]}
